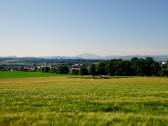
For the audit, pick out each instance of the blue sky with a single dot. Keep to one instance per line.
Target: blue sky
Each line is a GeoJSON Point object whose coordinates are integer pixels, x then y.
{"type": "Point", "coordinates": [72, 27]}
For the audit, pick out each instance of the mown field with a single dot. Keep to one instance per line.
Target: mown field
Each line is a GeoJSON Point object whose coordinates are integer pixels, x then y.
{"type": "Point", "coordinates": [71, 101]}
{"type": "Point", "coordinates": [20, 74]}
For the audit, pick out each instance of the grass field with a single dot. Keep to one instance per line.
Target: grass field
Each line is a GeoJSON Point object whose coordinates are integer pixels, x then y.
{"type": "Point", "coordinates": [20, 74]}
{"type": "Point", "coordinates": [68, 101]}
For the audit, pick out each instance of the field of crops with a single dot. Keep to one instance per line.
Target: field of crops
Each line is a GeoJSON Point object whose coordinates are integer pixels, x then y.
{"type": "Point", "coordinates": [71, 101]}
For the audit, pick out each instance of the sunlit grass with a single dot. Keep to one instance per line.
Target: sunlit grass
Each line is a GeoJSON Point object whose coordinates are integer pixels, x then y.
{"type": "Point", "coordinates": [63, 100]}
{"type": "Point", "coordinates": [20, 74]}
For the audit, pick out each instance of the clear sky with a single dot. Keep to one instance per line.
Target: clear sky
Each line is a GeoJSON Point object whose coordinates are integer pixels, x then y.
{"type": "Point", "coordinates": [72, 27]}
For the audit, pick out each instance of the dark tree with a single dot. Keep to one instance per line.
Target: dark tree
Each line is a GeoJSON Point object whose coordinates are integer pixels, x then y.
{"type": "Point", "coordinates": [62, 69]}
{"type": "Point", "coordinates": [164, 71]}
{"type": "Point", "coordinates": [127, 69]}
{"type": "Point", "coordinates": [74, 72]}
{"type": "Point", "coordinates": [156, 69]}
{"type": "Point", "coordinates": [115, 67]}
{"type": "Point", "coordinates": [45, 69]}
{"type": "Point", "coordinates": [83, 71]}
{"type": "Point", "coordinates": [92, 69]}
{"type": "Point", "coordinates": [100, 69]}
{"type": "Point", "coordinates": [137, 66]}
{"type": "Point", "coordinates": [53, 70]}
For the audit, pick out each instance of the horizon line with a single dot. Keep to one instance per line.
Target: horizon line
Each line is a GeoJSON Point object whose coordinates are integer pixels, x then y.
{"type": "Point", "coordinates": [78, 55]}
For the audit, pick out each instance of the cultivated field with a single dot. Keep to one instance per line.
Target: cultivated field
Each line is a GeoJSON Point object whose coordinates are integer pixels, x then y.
{"type": "Point", "coordinates": [71, 101]}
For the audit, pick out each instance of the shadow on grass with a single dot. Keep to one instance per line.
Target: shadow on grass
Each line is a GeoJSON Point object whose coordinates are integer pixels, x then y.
{"type": "Point", "coordinates": [100, 77]}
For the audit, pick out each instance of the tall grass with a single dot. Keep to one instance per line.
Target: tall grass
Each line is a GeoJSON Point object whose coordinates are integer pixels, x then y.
{"type": "Point", "coordinates": [135, 101]}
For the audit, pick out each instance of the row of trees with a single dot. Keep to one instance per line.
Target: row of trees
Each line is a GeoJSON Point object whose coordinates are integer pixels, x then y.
{"type": "Point", "coordinates": [116, 67]}
{"type": "Point", "coordinates": [60, 69]}
{"type": "Point", "coordinates": [164, 69]}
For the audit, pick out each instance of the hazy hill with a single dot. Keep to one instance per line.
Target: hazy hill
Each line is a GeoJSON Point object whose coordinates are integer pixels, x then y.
{"type": "Point", "coordinates": [82, 58]}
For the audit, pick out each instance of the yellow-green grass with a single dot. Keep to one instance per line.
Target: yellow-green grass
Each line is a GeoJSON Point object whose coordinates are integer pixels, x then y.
{"type": "Point", "coordinates": [67, 101]}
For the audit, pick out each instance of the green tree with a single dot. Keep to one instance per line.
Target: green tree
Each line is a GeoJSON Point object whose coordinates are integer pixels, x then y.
{"type": "Point", "coordinates": [137, 66]}
{"type": "Point", "coordinates": [164, 71]}
{"type": "Point", "coordinates": [83, 71]}
{"type": "Point", "coordinates": [92, 69]}
{"type": "Point", "coordinates": [74, 72]}
{"type": "Point", "coordinates": [62, 69]}
{"type": "Point", "coordinates": [45, 69]}
{"type": "Point", "coordinates": [53, 70]}
{"type": "Point", "coordinates": [100, 69]}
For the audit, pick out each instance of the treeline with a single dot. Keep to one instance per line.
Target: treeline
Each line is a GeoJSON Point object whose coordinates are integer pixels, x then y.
{"type": "Point", "coordinates": [41, 61]}
{"type": "Point", "coordinates": [115, 67]}
{"type": "Point", "coordinates": [59, 69]}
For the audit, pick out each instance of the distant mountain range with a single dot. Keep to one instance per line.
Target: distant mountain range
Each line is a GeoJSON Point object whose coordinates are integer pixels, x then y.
{"type": "Point", "coordinates": [89, 56]}
{"type": "Point", "coordinates": [94, 57]}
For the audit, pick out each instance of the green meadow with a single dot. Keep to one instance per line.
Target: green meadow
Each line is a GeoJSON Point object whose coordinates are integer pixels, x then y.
{"type": "Point", "coordinates": [71, 101]}
{"type": "Point", "coordinates": [20, 74]}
